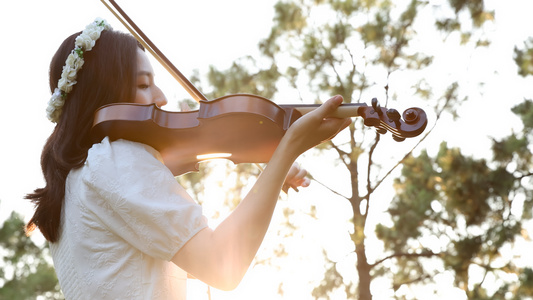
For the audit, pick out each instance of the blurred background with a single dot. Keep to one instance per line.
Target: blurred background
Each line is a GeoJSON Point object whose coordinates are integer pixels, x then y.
{"type": "Point", "coordinates": [443, 215]}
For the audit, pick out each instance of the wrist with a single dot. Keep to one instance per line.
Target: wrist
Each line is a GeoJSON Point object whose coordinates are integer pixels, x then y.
{"type": "Point", "coordinates": [287, 149]}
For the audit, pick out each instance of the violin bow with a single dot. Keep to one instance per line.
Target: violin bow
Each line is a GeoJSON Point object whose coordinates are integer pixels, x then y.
{"type": "Point", "coordinates": [121, 15]}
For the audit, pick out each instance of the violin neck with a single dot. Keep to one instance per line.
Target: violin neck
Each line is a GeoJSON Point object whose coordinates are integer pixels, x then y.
{"type": "Point", "coordinates": [346, 110]}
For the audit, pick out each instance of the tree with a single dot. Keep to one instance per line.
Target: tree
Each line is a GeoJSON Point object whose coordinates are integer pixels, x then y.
{"type": "Point", "coordinates": [479, 209]}
{"type": "Point", "coordinates": [26, 271]}
{"type": "Point", "coordinates": [459, 215]}
{"type": "Point", "coordinates": [361, 50]}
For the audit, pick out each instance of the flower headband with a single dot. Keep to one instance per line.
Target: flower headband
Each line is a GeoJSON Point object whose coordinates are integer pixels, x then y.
{"type": "Point", "coordinates": [84, 42]}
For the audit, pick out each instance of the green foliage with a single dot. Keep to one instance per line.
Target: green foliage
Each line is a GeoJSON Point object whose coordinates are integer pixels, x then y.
{"type": "Point", "coordinates": [526, 282]}
{"type": "Point", "coordinates": [237, 79]}
{"type": "Point", "coordinates": [414, 207]}
{"type": "Point", "coordinates": [524, 58]}
{"type": "Point", "coordinates": [475, 9]}
{"type": "Point", "coordinates": [468, 204]}
{"type": "Point", "coordinates": [290, 16]}
{"type": "Point", "coordinates": [516, 151]}
{"type": "Point", "coordinates": [25, 268]}
{"type": "Point", "coordinates": [332, 281]}
{"type": "Point", "coordinates": [525, 111]}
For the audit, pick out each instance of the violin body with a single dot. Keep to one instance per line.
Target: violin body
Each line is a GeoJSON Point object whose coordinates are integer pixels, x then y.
{"type": "Point", "coordinates": [242, 128]}
{"type": "Point", "coordinates": [239, 129]}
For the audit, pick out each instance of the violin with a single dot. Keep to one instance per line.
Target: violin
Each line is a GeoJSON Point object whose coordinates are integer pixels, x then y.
{"type": "Point", "coordinates": [242, 128]}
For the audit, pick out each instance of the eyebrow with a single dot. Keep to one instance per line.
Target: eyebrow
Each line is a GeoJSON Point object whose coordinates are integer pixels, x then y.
{"type": "Point", "coordinates": [145, 73]}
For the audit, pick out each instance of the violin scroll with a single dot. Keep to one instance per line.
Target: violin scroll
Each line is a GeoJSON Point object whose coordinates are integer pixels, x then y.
{"type": "Point", "coordinates": [413, 123]}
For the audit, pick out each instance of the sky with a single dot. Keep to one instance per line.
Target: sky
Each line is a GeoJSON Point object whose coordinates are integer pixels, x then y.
{"type": "Point", "coordinates": [194, 35]}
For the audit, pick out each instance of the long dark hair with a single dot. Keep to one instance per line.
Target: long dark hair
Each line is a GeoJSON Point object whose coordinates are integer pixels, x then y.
{"type": "Point", "coordinates": [108, 75]}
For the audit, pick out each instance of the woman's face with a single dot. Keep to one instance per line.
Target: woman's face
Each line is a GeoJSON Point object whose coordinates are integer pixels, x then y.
{"type": "Point", "coordinates": [146, 92]}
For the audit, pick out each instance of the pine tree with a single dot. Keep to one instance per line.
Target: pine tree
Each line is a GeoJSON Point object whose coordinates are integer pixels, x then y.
{"type": "Point", "coordinates": [26, 271]}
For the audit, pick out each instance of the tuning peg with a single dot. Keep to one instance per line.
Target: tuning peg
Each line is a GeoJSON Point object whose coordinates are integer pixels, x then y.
{"type": "Point", "coordinates": [376, 106]}
{"type": "Point", "coordinates": [394, 116]}
{"type": "Point", "coordinates": [381, 130]}
{"type": "Point", "coordinates": [398, 138]}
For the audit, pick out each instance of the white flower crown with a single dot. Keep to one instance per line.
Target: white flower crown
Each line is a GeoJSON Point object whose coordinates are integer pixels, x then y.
{"type": "Point", "coordinates": [84, 42]}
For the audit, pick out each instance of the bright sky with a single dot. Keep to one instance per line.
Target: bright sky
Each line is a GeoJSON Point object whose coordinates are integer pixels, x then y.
{"type": "Point", "coordinates": [194, 35]}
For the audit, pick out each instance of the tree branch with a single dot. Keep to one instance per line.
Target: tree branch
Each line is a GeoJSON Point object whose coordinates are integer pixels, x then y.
{"type": "Point", "coordinates": [342, 154]}
{"type": "Point", "coordinates": [328, 188]}
{"type": "Point", "coordinates": [423, 254]}
{"type": "Point", "coordinates": [369, 188]}
{"type": "Point", "coordinates": [524, 176]}
{"type": "Point", "coordinates": [396, 286]}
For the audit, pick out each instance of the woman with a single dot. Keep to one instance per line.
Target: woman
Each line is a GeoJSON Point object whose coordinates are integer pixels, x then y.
{"type": "Point", "coordinates": [118, 223]}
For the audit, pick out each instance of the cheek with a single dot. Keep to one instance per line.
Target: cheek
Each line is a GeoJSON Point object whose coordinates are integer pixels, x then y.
{"type": "Point", "coordinates": [141, 97]}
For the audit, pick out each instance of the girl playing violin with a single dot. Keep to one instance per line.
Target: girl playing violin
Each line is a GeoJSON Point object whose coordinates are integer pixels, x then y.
{"type": "Point", "coordinates": [118, 223]}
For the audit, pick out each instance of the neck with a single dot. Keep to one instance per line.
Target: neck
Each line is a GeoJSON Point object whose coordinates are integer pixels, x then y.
{"type": "Point", "coordinates": [346, 110]}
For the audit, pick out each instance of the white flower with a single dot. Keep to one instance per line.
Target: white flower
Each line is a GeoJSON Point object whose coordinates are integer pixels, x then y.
{"type": "Point", "coordinates": [74, 61]}
{"type": "Point", "coordinates": [66, 85]}
{"type": "Point", "coordinates": [84, 42]}
{"type": "Point", "coordinates": [69, 72]}
{"type": "Point", "coordinates": [53, 111]}
{"type": "Point", "coordinates": [94, 33]}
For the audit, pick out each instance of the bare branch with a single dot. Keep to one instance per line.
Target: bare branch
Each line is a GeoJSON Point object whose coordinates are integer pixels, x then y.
{"type": "Point", "coordinates": [328, 188]}
{"type": "Point", "coordinates": [524, 176]}
{"type": "Point", "coordinates": [426, 253]}
{"type": "Point", "coordinates": [396, 286]}
{"type": "Point", "coordinates": [342, 154]}
{"type": "Point", "coordinates": [369, 188]}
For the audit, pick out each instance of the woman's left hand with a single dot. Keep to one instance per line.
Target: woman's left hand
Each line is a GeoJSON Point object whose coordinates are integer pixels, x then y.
{"type": "Point", "coordinates": [296, 178]}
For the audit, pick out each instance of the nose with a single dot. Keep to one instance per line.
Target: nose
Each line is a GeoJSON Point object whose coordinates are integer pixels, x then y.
{"type": "Point", "coordinates": [159, 98]}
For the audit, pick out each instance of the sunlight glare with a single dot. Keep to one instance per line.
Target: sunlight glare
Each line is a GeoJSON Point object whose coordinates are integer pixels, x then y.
{"type": "Point", "coordinates": [212, 156]}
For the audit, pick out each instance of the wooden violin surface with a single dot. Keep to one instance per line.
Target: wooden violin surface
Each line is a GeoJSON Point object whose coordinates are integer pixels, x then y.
{"type": "Point", "coordinates": [242, 128]}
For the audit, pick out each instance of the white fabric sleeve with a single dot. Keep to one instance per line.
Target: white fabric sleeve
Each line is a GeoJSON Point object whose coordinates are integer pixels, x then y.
{"type": "Point", "coordinates": [138, 198]}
